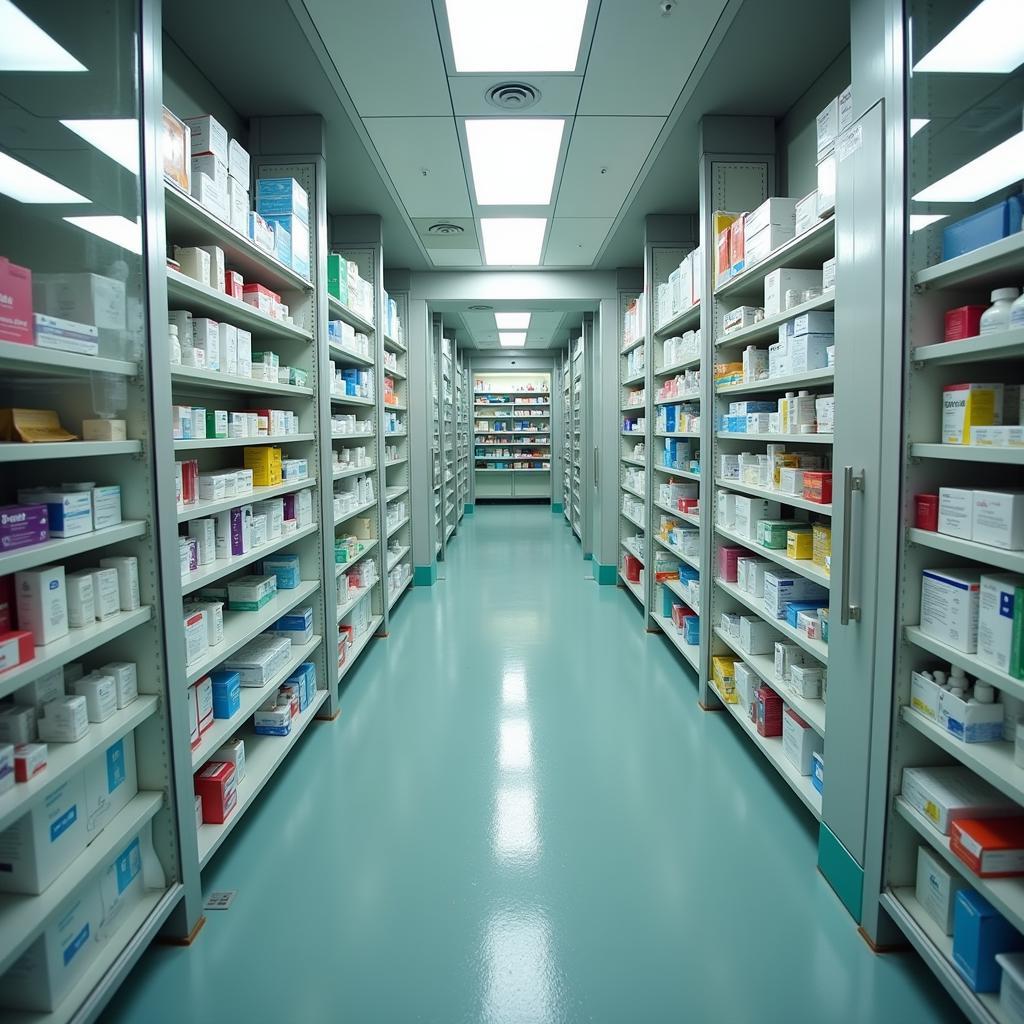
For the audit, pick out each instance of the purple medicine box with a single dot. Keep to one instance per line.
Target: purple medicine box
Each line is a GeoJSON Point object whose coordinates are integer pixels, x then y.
{"type": "Point", "coordinates": [21, 526]}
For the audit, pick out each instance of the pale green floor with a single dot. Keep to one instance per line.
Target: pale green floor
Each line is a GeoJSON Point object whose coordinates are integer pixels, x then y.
{"type": "Point", "coordinates": [523, 816]}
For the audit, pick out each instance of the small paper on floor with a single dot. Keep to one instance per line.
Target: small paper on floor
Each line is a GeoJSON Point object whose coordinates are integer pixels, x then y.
{"type": "Point", "coordinates": [220, 900]}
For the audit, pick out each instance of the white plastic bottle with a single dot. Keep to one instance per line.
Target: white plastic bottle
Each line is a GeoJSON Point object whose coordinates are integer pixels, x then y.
{"type": "Point", "coordinates": [984, 693]}
{"type": "Point", "coordinates": [1017, 312]}
{"type": "Point", "coordinates": [997, 316]}
{"type": "Point", "coordinates": [173, 344]}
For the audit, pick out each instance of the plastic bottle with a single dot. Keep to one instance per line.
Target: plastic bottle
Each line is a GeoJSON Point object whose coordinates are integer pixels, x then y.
{"type": "Point", "coordinates": [997, 316]}
{"type": "Point", "coordinates": [1017, 312]}
{"type": "Point", "coordinates": [984, 693]}
{"type": "Point", "coordinates": [174, 344]}
{"type": "Point", "coordinates": [940, 678]}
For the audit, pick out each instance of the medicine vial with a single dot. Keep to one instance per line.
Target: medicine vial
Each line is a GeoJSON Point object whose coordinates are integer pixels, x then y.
{"type": "Point", "coordinates": [174, 344]}
{"type": "Point", "coordinates": [997, 316]}
{"type": "Point", "coordinates": [1017, 312]}
{"type": "Point", "coordinates": [984, 693]}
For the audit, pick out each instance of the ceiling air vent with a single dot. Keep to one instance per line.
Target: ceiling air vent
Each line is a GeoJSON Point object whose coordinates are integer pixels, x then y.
{"type": "Point", "coordinates": [444, 228]}
{"type": "Point", "coordinates": [512, 96]}
{"type": "Point", "coordinates": [481, 308]}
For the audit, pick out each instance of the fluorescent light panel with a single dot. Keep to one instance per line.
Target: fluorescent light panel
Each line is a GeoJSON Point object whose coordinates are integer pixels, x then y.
{"type": "Point", "coordinates": [119, 230]}
{"type": "Point", "coordinates": [512, 321]}
{"type": "Point", "coordinates": [514, 160]}
{"type": "Point", "coordinates": [27, 185]}
{"type": "Point", "coordinates": [999, 167]}
{"type": "Point", "coordinates": [525, 35]}
{"type": "Point", "coordinates": [512, 339]}
{"type": "Point", "coordinates": [118, 138]}
{"type": "Point", "coordinates": [512, 241]}
{"type": "Point", "coordinates": [24, 46]}
{"type": "Point", "coordinates": [988, 41]}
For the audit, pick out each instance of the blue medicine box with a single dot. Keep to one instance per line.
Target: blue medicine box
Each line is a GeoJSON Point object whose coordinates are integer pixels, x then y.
{"type": "Point", "coordinates": [282, 243]}
{"type": "Point", "coordinates": [668, 602]}
{"type": "Point", "coordinates": [281, 197]}
{"type": "Point", "coordinates": [983, 227]}
{"type": "Point", "coordinates": [979, 933]}
{"type": "Point", "coordinates": [670, 417]}
{"type": "Point", "coordinates": [285, 568]}
{"type": "Point", "coordinates": [226, 693]}
{"type": "Point", "coordinates": [818, 772]}
{"type": "Point", "coordinates": [794, 608]}
{"type": "Point", "coordinates": [304, 677]}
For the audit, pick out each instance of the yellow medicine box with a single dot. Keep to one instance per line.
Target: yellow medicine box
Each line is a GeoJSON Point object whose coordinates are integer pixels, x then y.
{"type": "Point", "coordinates": [799, 543]}
{"type": "Point", "coordinates": [822, 546]}
{"type": "Point", "coordinates": [723, 671]}
{"type": "Point", "coordinates": [265, 463]}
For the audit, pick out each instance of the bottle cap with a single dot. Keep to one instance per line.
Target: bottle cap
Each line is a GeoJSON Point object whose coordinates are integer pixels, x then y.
{"type": "Point", "coordinates": [984, 693]}
{"type": "Point", "coordinates": [1004, 293]}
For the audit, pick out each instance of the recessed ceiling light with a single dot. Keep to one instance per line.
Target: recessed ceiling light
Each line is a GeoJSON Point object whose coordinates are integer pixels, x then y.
{"type": "Point", "coordinates": [122, 232]}
{"type": "Point", "coordinates": [117, 137]}
{"type": "Point", "coordinates": [529, 35]}
{"type": "Point", "coordinates": [512, 321]}
{"type": "Point", "coordinates": [512, 339]}
{"type": "Point", "coordinates": [514, 160]}
{"type": "Point", "coordinates": [24, 46]}
{"type": "Point", "coordinates": [513, 241]}
{"type": "Point", "coordinates": [27, 185]}
{"type": "Point", "coordinates": [985, 42]}
{"type": "Point", "coordinates": [922, 220]}
{"type": "Point", "coordinates": [980, 177]}
{"type": "Point", "coordinates": [917, 123]}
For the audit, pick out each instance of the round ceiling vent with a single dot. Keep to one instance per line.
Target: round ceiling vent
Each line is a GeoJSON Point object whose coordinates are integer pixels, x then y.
{"type": "Point", "coordinates": [512, 96]}
{"type": "Point", "coordinates": [445, 228]}
{"type": "Point", "coordinates": [482, 309]}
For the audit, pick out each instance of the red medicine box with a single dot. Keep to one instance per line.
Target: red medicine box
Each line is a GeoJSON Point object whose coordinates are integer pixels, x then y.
{"type": "Point", "coordinates": [926, 512]}
{"type": "Point", "coordinates": [233, 284]}
{"type": "Point", "coordinates": [991, 847]}
{"type": "Point", "coordinates": [16, 648]}
{"type": "Point", "coordinates": [818, 487]}
{"type": "Point", "coordinates": [15, 303]}
{"type": "Point", "coordinates": [215, 786]}
{"type": "Point", "coordinates": [963, 322]}
{"type": "Point", "coordinates": [631, 569]}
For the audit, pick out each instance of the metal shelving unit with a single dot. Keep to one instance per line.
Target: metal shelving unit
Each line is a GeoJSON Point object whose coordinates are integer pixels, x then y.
{"type": "Point", "coordinates": [634, 422]}
{"type": "Point", "coordinates": [575, 414]}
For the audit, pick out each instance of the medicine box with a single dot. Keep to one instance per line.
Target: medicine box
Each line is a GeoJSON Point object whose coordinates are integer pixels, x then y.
{"type": "Point", "coordinates": [949, 792]}
{"type": "Point", "coordinates": [997, 518]}
{"type": "Point", "coordinates": [971, 722]}
{"type": "Point", "coordinates": [216, 785]}
{"type": "Point", "coordinates": [969, 405]}
{"type": "Point", "coordinates": [949, 607]}
{"type": "Point", "coordinates": [980, 933]}
{"type": "Point", "coordinates": [281, 197]}
{"type": "Point", "coordinates": [799, 741]}
{"type": "Point", "coordinates": [208, 136]}
{"type": "Point", "coordinates": [761, 245]}
{"type": "Point", "coordinates": [226, 693]}
{"type": "Point", "coordinates": [991, 847]}
{"type": "Point", "coordinates": [41, 599]}
{"type": "Point", "coordinates": [259, 660]}
{"type": "Point", "coordinates": [778, 282]}
{"type": "Point", "coordinates": [272, 720]}
{"type": "Point", "coordinates": [936, 888]}
{"type": "Point", "coordinates": [996, 607]}
{"type": "Point", "coordinates": [111, 781]}
{"type": "Point", "coordinates": [926, 696]}
{"type": "Point", "coordinates": [956, 512]}
{"type": "Point", "coordinates": [23, 525]}
{"type": "Point", "coordinates": [296, 626]}
{"type": "Point", "coordinates": [100, 695]}
{"type": "Point", "coordinates": [780, 589]}
{"type": "Point", "coordinates": [251, 593]}
{"type": "Point", "coordinates": [756, 635]}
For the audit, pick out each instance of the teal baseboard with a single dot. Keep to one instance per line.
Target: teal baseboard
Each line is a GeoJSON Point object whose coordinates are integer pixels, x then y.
{"type": "Point", "coordinates": [588, 556]}
{"type": "Point", "coordinates": [424, 575]}
{"type": "Point", "coordinates": [469, 509]}
{"type": "Point", "coordinates": [556, 508]}
{"type": "Point", "coordinates": [605, 574]}
{"type": "Point", "coordinates": [841, 871]}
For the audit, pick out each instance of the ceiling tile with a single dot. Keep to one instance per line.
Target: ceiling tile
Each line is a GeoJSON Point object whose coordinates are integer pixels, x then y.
{"type": "Point", "coordinates": [410, 145]}
{"type": "Point", "coordinates": [618, 146]}
{"type": "Point", "coordinates": [640, 59]}
{"type": "Point", "coordinates": [455, 257]}
{"type": "Point", "coordinates": [575, 241]}
{"type": "Point", "coordinates": [387, 53]}
{"type": "Point", "coordinates": [559, 95]}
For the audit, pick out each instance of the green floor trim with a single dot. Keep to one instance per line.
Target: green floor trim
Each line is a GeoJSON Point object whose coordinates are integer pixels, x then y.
{"type": "Point", "coordinates": [469, 509]}
{"type": "Point", "coordinates": [841, 871]}
{"type": "Point", "coordinates": [588, 556]}
{"type": "Point", "coordinates": [556, 508]}
{"type": "Point", "coordinates": [425, 575]}
{"type": "Point", "coordinates": [605, 574]}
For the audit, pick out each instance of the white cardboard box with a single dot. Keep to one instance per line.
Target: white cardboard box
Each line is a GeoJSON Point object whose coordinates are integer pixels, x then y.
{"type": "Point", "coordinates": [995, 618]}
{"type": "Point", "coordinates": [780, 281]}
{"type": "Point", "coordinates": [942, 794]}
{"type": "Point", "coordinates": [42, 603]}
{"type": "Point", "coordinates": [111, 780]}
{"type": "Point", "coordinates": [937, 886]}
{"type": "Point", "coordinates": [956, 511]}
{"type": "Point", "coordinates": [949, 607]}
{"type": "Point", "coordinates": [997, 518]}
{"type": "Point", "coordinates": [799, 741]}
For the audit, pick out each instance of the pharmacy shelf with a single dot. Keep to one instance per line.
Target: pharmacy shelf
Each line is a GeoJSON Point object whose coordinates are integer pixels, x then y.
{"type": "Point", "coordinates": [683, 364]}
{"type": "Point", "coordinates": [508, 433]}
{"type": "Point", "coordinates": [23, 917]}
{"type": "Point", "coordinates": [680, 322]}
{"type": "Point", "coordinates": [993, 761]}
{"type": "Point", "coordinates": [633, 588]}
{"type": "Point", "coordinates": [635, 379]}
{"type": "Point", "coordinates": [769, 326]}
{"type": "Point", "coordinates": [772, 495]}
{"type": "Point", "coordinates": [815, 378]}
{"type": "Point", "coordinates": [396, 433]}
{"type": "Point", "coordinates": [634, 433]}
{"type": "Point", "coordinates": [992, 264]}
{"type": "Point", "coordinates": [686, 396]}
{"type": "Point", "coordinates": [346, 355]}
{"type": "Point", "coordinates": [814, 647]}
{"type": "Point", "coordinates": [677, 433]}
{"type": "Point", "coordinates": [357, 435]}
{"type": "Point", "coordinates": [76, 644]}
{"type": "Point", "coordinates": [354, 597]}
{"type": "Point", "coordinates": [394, 557]}
{"type": "Point", "coordinates": [359, 645]}
{"type": "Point", "coordinates": [677, 588]}
{"type": "Point", "coordinates": [64, 758]}
{"type": "Point", "coordinates": [396, 406]}
{"type": "Point", "coordinates": [222, 567]}
{"type": "Point", "coordinates": [395, 492]}
{"type": "Point", "coordinates": [193, 444]}
{"type": "Point", "coordinates": [684, 473]}
{"type": "Point", "coordinates": [193, 377]}
{"type": "Point", "coordinates": [1011, 561]}
{"type": "Point", "coordinates": [340, 567]}
{"type": "Point", "coordinates": [263, 755]}
{"type": "Point", "coordinates": [394, 345]}
{"type": "Point", "coordinates": [730, 435]}
{"type": "Point", "coordinates": [16, 451]}
{"type": "Point", "coordinates": [630, 345]}
{"type": "Point", "coordinates": [337, 310]}
{"type": "Point", "coordinates": [394, 529]}
{"type": "Point", "coordinates": [51, 362]}
{"type": "Point", "coordinates": [634, 462]}
{"type": "Point", "coordinates": [688, 518]}
{"type": "Point", "coordinates": [61, 548]}
{"type": "Point", "coordinates": [241, 627]}
{"type": "Point", "coordinates": [691, 652]}
{"type": "Point", "coordinates": [802, 566]}
{"type": "Point", "coordinates": [190, 224]}
{"type": "Point", "coordinates": [694, 563]}
{"type": "Point", "coordinates": [395, 593]}
{"type": "Point", "coordinates": [341, 474]}
{"type": "Point", "coordinates": [346, 516]}
{"type": "Point", "coordinates": [393, 371]}
{"type": "Point", "coordinates": [201, 509]}
{"type": "Point", "coordinates": [511, 444]}
{"type": "Point", "coordinates": [352, 400]}
{"type": "Point", "coordinates": [968, 662]}
{"type": "Point", "coordinates": [811, 710]}
{"type": "Point", "coordinates": [965, 453]}
{"type": "Point", "coordinates": [771, 747]}
{"type": "Point", "coordinates": [634, 521]}
{"type": "Point", "coordinates": [252, 698]}
{"type": "Point", "coordinates": [809, 249]}
{"type": "Point", "coordinates": [638, 555]}
{"type": "Point", "coordinates": [983, 348]}
{"type": "Point", "coordinates": [482, 470]}
{"type": "Point", "coordinates": [1005, 894]}
{"type": "Point", "coordinates": [202, 300]}
{"type": "Point", "coordinates": [632, 407]}
{"type": "Point", "coordinates": [936, 949]}
{"type": "Point", "coordinates": [633, 490]}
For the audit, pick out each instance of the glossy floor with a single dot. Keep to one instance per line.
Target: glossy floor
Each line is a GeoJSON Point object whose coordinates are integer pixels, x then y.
{"type": "Point", "coordinates": [521, 817]}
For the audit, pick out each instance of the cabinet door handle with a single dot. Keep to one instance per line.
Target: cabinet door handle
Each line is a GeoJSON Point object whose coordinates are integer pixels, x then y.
{"type": "Point", "coordinates": [595, 464]}
{"type": "Point", "coordinates": [851, 482]}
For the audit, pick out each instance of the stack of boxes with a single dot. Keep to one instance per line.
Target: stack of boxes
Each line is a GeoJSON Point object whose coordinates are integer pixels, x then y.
{"type": "Point", "coordinates": [682, 290]}
{"type": "Point", "coordinates": [345, 284]}
{"type": "Point", "coordinates": [283, 204]}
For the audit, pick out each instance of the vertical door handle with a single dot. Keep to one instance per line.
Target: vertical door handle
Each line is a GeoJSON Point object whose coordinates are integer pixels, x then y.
{"type": "Point", "coordinates": [851, 482]}
{"type": "Point", "coordinates": [595, 465]}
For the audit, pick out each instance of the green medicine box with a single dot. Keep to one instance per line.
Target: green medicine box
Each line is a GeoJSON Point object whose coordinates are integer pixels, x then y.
{"type": "Point", "coordinates": [772, 533]}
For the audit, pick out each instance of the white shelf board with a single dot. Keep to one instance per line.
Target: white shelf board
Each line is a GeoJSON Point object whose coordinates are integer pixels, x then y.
{"type": "Point", "coordinates": [395, 593]}
{"type": "Point", "coordinates": [1012, 561]}
{"type": "Point", "coordinates": [340, 567]}
{"type": "Point", "coordinates": [201, 509]}
{"type": "Point", "coordinates": [802, 566]}
{"type": "Point", "coordinates": [395, 492]}
{"type": "Point", "coordinates": [359, 645]}
{"type": "Point", "coordinates": [811, 710]}
{"type": "Point", "coordinates": [635, 379]}
{"type": "Point", "coordinates": [241, 627]}
{"type": "Point", "coordinates": [193, 444]}
{"type": "Point", "coordinates": [686, 396]}
{"type": "Point", "coordinates": [633, 588]}
{"type": "Point", "coordinates": [772, 495]}
{"type": "Point", "coordinates": [729, 435]}
{"type": "Point", "coordinates": [677, 433]}
{"type": "Point", "coordinates": [632, 407]}
{"type": "Point", "coordinates": [194, 377]}
{"type": "Point", "coordinates": [346, 355]}
{"type": "Point", "coordinates": [394, 557]}
{"type": "Point", "coordinates": [1007, 344]}
{"type": "Point", "coordinates": [391, 371]}
{"type": "Point", "coordinates": [815, 378]}
{"type": "Point", "coordinates": [222, 567]}
{"type": "Point", "coordinates": [346, 516]}
{"type": "Point", "coordinates": [684, 473]}
{"type": "Point", "coordinates": [636, 522]}
{"type": "Point", "coordinates": [17, 451]}
{"type": "Point", "coordinates": [394, 529]}
{"type": "Point", "coordinates": [769, 326]}
{"type": "Point", "coordinates": [341, 474]}
{"type": "Point", "coordinates": [352, 400]}
{"type": "Point", "coordinates": [968, 453]}
{"type": "Point", "coordinates": [263, 755]}
{"type": "Point", "coordinates": [693, 563]}
{"type": "Point", "coordinates": [635, 433]}
{"type": "Point", "coordinates": [61, 548]}
{"type": "Point", "coordinates": [682, 364]}
{"type": "Point", "coordinates": [633, 490]}
{"type": "Point", "coordinates": [31, 360]}
{"type": "Point", "coordinates": [76, 644]}
{"type": "Point", "coordinates": [968, 662]}
{"type": "Point", "coordinates": [202, 300]}
{"type": "Point", "coordinates": [691, 652]}
{"type": "Point", "coordinates": [337, 310]}
{"type": "Point", "coordinates": [357, 436]}
{"type": "Point", "coordinates": [353, 598]}
{"type": "Point", "coordinates": [680, 322]}
{"type": "Point", "coordinates": [1002, 260]}
{"type": "Point", "coordinates": [630, 345]}
{"type": "Point", "coordinates": [638, 555]}
{"type": "Point", "coordinates": [394, 344]}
